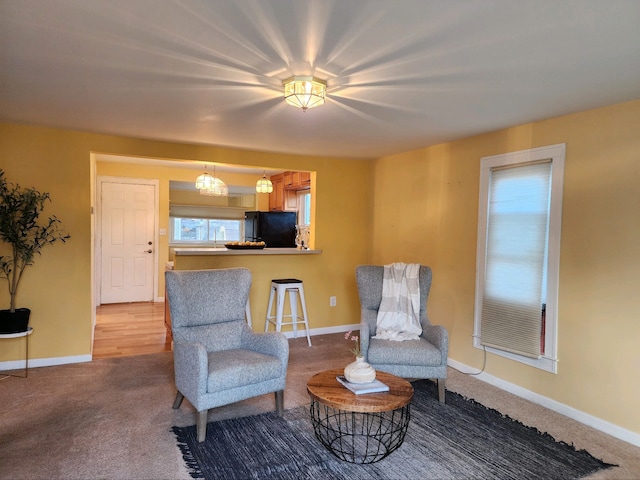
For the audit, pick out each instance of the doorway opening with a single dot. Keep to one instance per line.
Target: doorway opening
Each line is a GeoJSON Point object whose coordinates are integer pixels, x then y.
{"type": "Point", "coordinates": [129, 319]}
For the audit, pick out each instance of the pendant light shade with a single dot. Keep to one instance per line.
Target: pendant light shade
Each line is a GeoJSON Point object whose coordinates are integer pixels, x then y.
{"type": "Point", "coordinates": [217, 189]}
{"type": "Point", "coordinates": [264, 185]}
{"type": "Point", "coordinates": [211, 185]}
{"type": "Point", "coordinates": [204, 181]}
{"type": "Point", "coordinates": [304, 92]}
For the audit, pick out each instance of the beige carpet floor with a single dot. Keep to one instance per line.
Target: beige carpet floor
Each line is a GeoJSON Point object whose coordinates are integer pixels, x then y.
{"type": "Point", "coordinates": [111, 418]}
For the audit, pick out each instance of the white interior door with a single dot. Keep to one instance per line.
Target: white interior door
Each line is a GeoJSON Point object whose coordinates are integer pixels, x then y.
{"type": "Point", "coordinates": [127, 221]}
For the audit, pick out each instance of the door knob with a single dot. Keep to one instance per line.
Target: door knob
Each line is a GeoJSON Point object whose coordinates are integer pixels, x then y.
{"type": "Point", "coordinates": [148, 251]}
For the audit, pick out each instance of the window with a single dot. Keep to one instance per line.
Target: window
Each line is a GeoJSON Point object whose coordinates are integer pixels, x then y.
{"type": "Point", "coordinates": [204, 230]}
{"type": "Point", "coordinates": [205, 225]}
{"type": "Point", "coordinates": [519, 221]}
{"type": "Point", "coordinates": [304, 207]}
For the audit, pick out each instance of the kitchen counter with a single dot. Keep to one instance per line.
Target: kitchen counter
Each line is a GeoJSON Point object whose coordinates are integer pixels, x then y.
{"type": "Point", "coordinates": [181, 251]}
{"type": "Point", "coordinates": [265, 265]}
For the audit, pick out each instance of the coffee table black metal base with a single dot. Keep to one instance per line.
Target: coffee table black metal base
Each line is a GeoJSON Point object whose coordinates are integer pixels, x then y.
{"type": "Point", "coordinates": [359, 437]}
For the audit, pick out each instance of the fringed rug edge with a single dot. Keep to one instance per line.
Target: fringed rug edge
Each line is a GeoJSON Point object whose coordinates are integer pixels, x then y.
{"type": "Point", "coordinates": [193, 468]}
{"type": "Point", "coordinates": [582, 451]}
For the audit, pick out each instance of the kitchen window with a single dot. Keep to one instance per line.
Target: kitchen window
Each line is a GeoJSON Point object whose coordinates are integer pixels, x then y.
{"type": "Point", "coordinates": [304, 207]}
{"type": "Point", "coordinates": [519, 221]}
{"type": "Point", "coordinates": [205, 225]}
{"type": "Point", "coordinates": [207, 231]}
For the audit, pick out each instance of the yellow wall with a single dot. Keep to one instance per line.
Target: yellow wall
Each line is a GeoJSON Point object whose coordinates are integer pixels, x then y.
{"type": "Point", "coordinates": [58, 287]}
{"type": "Point", "coordinates": [425, 211]}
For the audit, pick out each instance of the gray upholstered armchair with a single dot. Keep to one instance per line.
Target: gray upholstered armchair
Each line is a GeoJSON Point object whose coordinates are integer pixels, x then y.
{"type": "Point", "coordinates": [218, 360]}
{"type": "Point", "coordinates": [423, 358]}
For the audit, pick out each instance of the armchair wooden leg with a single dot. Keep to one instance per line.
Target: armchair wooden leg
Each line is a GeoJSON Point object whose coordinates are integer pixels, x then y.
{"type": "Point", "coordinates": [280, 402]}
{"type": "Point", "coordinates": [178, 401]}
{"type": "Point", "coordinates": [441, 382]}
{"type": "Point", "coordinates": [202, 425]}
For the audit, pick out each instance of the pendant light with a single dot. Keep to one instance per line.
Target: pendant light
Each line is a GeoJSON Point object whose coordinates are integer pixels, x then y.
{"type": "Point", "coordinates": [264, 185]}
{"type": "Point", "coordinates": [211, 185]}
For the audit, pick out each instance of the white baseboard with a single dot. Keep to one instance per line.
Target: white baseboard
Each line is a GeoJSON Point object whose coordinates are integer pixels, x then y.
{"type": "Point", "coordinates": [48, 362]}
{"type": "Point", "coordinates": [44, 362]}
{"type": "Point", "coordinates": [578, 415]}
{"type": "Point", "coordinates": [323, 331]}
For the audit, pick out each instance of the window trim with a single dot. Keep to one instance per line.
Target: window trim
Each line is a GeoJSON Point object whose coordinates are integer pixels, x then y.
{"type": "Point", "coordinates": [549, 360]}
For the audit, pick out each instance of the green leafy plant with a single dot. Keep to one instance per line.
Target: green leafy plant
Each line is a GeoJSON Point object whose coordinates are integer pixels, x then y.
{"type": "Point", "coordinates": [20, 210]}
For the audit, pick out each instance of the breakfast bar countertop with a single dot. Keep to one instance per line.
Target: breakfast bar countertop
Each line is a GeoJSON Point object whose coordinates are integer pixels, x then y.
{"type": "Point", "coordinates": [225, 251]}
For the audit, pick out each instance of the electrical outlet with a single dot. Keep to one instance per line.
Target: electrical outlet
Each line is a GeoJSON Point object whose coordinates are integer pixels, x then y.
{"type": "Point", "coordinates": [332, 301]}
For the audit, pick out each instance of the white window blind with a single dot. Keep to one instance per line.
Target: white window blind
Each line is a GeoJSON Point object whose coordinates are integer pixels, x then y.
{"type": "Point", "coordinates": [516, 257]}
{"type": "Point", "coordinates": [206, 211]}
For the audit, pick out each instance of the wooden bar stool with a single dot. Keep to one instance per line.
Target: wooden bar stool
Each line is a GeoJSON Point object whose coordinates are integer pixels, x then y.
{"type": "Point", "coordinates": [279, 288]}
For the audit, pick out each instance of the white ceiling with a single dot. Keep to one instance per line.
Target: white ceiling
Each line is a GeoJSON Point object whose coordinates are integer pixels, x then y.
{"type": "Point", "coordinates": [402, 74]}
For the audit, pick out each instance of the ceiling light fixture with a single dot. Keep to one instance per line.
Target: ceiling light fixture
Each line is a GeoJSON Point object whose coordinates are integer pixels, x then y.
{"type": "Point", "coordinates": [264, 185]}
{"type": "Point", "coordinates": [304, 92]}
{"type": "Point", "coordinates": [211, 185]}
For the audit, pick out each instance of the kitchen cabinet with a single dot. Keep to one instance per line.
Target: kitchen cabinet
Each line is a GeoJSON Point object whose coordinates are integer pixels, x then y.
{"type": "Point", "coordinates": [284, 196]}
{"type": "Point", "coordinates": [290, 200]}
{"type": "Point", "coordinates": [297, 180]}
{"type": "Point", "coordinates": [276, 198]}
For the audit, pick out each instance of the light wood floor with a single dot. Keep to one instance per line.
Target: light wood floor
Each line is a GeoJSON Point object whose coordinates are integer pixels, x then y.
{"type": "Point", "coordinates": [124, 329]}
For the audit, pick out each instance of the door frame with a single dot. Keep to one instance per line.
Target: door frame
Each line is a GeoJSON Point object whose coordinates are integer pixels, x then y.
{"type": "Point", "coordinates": [98, 228]}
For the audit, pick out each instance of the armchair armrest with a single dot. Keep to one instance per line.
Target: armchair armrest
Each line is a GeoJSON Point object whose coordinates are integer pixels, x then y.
{"type": "Point", "coordinates": [437, 335]}
{"type": "Point", "coordinates": [268, 343]}
{"type": "Point", "coordinates": [191, 368]}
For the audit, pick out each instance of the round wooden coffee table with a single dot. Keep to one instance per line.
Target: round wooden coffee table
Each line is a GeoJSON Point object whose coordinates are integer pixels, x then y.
{"type": "Point", "coordinates": [359, 428]}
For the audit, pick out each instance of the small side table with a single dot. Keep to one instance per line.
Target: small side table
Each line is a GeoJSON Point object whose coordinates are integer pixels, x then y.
{"type": "Point", "coordinates": [359, 428]}
{"type": "Point", "coordinates": [25, 334]}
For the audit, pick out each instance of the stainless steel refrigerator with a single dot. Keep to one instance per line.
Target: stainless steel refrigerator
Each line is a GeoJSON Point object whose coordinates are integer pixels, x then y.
{"type": "Point", "coordinates": [276, 229]}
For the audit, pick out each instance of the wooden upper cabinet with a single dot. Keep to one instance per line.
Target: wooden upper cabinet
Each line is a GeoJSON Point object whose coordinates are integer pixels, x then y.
{"type": "Point", "coordinates": [276, 198]}
{"type": "Point", "coordinates": [288, 179]}
{"type": "Point", "coordinates": [297, 180]}
{"type": "Point", "coordinates": [285, 186]}
{"type": "Point", "coordinates": [304, 179]}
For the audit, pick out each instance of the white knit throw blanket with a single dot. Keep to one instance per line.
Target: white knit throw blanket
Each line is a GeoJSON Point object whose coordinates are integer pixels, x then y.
{"type": "Point", "coordinates": [398, 316]}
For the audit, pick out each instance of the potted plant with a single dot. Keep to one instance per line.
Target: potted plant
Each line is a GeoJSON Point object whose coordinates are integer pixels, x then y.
{"type": "Point", "coordinates": [24, 238]}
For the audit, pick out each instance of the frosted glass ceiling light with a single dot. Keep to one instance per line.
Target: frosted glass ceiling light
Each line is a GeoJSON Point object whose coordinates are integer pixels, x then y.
{"type": "Point", "coordinates": [304, 92]}
{"type": "Point", "coordinates": [211, 185]}
{"type": "Point", "coordinates": [264, 185]}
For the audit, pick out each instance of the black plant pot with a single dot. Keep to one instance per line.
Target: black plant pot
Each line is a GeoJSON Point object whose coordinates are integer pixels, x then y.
{"type": "Point", "coordinates": [14, 322]}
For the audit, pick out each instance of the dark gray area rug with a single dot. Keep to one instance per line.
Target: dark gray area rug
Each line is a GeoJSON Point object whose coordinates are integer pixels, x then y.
{"type": "Point", "coordinates": [458, 440]}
